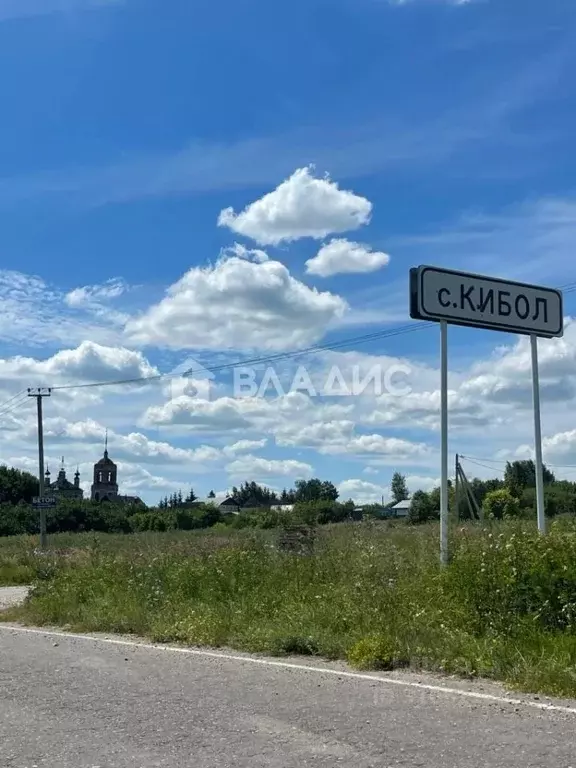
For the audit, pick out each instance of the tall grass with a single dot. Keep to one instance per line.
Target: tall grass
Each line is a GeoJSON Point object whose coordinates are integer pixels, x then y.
{"type": "Point", "coordinates": [373, 594]}
{"type": "Point", "coordinates": [20, 559]}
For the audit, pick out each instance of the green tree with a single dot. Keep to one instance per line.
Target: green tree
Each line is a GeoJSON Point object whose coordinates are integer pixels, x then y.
{"type": "Point", "coordinates": [435, 501]}
{"type": "Point", "coordinates": [519, 475]}
{"type": "Point", "coordinates": [315, 490]}
{"type": "Point", "coordinates": [16, 485]}
{"type": "Point", "coordinates": [421, 508]}
{"type": "Point", "coordinates": [398, 487]}
{"type": "Point", "coordinates": [375, 511]}
{"type": "Point", "coordinates": [254, 494]}
{"type": "Point", "coordinates": [287, 497]}
{"type": "Point", "coordinates": [501, 504]}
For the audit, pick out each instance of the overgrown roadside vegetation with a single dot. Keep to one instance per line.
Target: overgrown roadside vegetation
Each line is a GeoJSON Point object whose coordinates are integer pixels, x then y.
{"type": "Point", "coordinates": [372, 593]}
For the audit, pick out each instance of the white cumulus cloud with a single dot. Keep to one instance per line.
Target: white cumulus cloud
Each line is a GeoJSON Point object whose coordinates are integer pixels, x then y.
{"type": "Point", "coordinates": [301, 206]}
{"type": "Point", "coordinates": [87, 362]}
{"type": "Point", "coordinates": [421, 483]}
{"type": "Point", "coordinates": [244, 445]}
{"type": "Point", "coordinates": [393, 447]}
{"type": "Point", "coordinates": [133, 446]}
{"type": "Point", "coordinates": [341, 256]}
{"type": "Point", "coordinates": [238, 304]}
{"type": "Point", "coordinates": [223, 414]}
{"type": "Point", "coordinates": [361, 491]}
{"type": "Point", "coordinates": [239, 250]}
{"type": "Point", "coordinates": [88, 294]}
{"type": "Point", "coordinates": [257, 467]}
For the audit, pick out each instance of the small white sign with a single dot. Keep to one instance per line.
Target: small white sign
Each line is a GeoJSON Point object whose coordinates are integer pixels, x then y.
{"type": "Point", "coordinates": [463, 298]}
{"type": "Point", "coordinates": [44, 501]}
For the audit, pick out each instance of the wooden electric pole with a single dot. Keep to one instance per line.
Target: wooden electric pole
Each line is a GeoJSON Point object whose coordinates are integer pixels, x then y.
{"type": "Point", "coordinates": [39, 393]}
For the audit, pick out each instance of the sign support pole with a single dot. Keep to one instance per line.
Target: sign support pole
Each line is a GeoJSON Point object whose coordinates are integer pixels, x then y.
{"type": "Point", "coordinates": [537, 436]}
{"type": "Point", "coordinates": [444, 442]}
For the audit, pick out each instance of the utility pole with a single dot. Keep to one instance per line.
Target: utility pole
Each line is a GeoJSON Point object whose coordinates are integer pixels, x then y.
{"type": "Point", "coordinates": [39, 393]}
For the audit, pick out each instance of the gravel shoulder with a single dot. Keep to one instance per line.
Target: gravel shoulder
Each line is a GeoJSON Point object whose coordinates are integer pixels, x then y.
{"type": "Point", "coordinates": [12, 596]}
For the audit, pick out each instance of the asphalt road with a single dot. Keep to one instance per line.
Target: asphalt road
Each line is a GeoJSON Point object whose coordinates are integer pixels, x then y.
{"type": "Point", "coordinates": [85, 702]}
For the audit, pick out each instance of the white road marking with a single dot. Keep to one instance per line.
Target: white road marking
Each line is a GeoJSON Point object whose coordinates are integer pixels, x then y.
{"type": "Point", "coordinates": [303, 667]}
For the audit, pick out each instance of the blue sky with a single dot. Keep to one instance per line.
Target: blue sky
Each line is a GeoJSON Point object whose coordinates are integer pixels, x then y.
{"type": "Point", "coordinates": [129, 126]}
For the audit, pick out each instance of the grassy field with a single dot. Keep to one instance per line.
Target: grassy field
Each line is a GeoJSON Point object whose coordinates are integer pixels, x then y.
{"type": "Point", "coordinates": [372, 593]}
{"type": "Point", "coordinates": [21, 563]}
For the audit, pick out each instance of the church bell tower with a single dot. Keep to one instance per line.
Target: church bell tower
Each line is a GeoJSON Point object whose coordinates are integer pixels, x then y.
{"type": "Point", "coordinates": [105, 485]}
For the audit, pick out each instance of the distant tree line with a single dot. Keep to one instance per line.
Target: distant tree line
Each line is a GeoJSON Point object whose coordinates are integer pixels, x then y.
{"type": "Point", "coordinates": [177, 500]}
{"type": "Point", "coordinates": [257, 495]}
{"type": "Point", "coordinates": [514, 495]}
{"type": "Point", "coordinates": [313, 501]}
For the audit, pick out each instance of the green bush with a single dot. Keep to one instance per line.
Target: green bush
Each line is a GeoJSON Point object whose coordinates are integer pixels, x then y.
{"type": "Point", "coordinates": [518, 575]}
{"type": "Point", "coordinates": [501, 505]}
{"type": "Point", "coordinates": [376, 652]}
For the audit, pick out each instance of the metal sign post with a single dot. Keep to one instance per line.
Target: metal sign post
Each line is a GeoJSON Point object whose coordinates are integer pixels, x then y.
{"type": "Point", "coordinates": [444, 442]}
{"type": "Point", "coordinates": [537, 437]}
{"type": "Point", "coordinates": [461, 298]}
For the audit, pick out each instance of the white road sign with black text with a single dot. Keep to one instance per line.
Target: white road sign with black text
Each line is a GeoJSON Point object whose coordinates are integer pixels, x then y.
{"type": "Point", "coordinates": [485, 302]}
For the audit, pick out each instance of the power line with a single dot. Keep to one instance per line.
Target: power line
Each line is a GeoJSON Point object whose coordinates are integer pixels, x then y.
{"type": "Point", "coordinates": [13, 403]}
{"type": "Point", "coordinates": [475, 460]}
{"type": "Point", "coordinates": [399, 331]}
{"type": "Point", "coordinates": [364, 338]}
{"type": "Point", "coordinates": [479, 463]}
{"type": "Point", "coordinates": [18, 394]}
{"type": "Point", "coordinates": [482, 458]}
{"type": "Point", "coordinates": [13, 407]}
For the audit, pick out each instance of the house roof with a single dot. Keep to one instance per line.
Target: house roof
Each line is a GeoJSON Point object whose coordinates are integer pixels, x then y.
{"type": "Point", "coordinates": [404, 504]}
{"type": "Point", "coordinates": [226, 501]}
{"type": "Point", "coordinates": [252, 503]}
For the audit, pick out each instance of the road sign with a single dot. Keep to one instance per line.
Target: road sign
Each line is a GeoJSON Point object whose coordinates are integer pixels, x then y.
{"type": "Point", "coordinates": [44, 501]}
{"type": "Point", "coordinates": [463, 298]}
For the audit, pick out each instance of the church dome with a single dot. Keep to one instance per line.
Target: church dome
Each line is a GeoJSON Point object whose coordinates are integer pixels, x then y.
{"type": "Point", "coordinates": [105, 461]}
